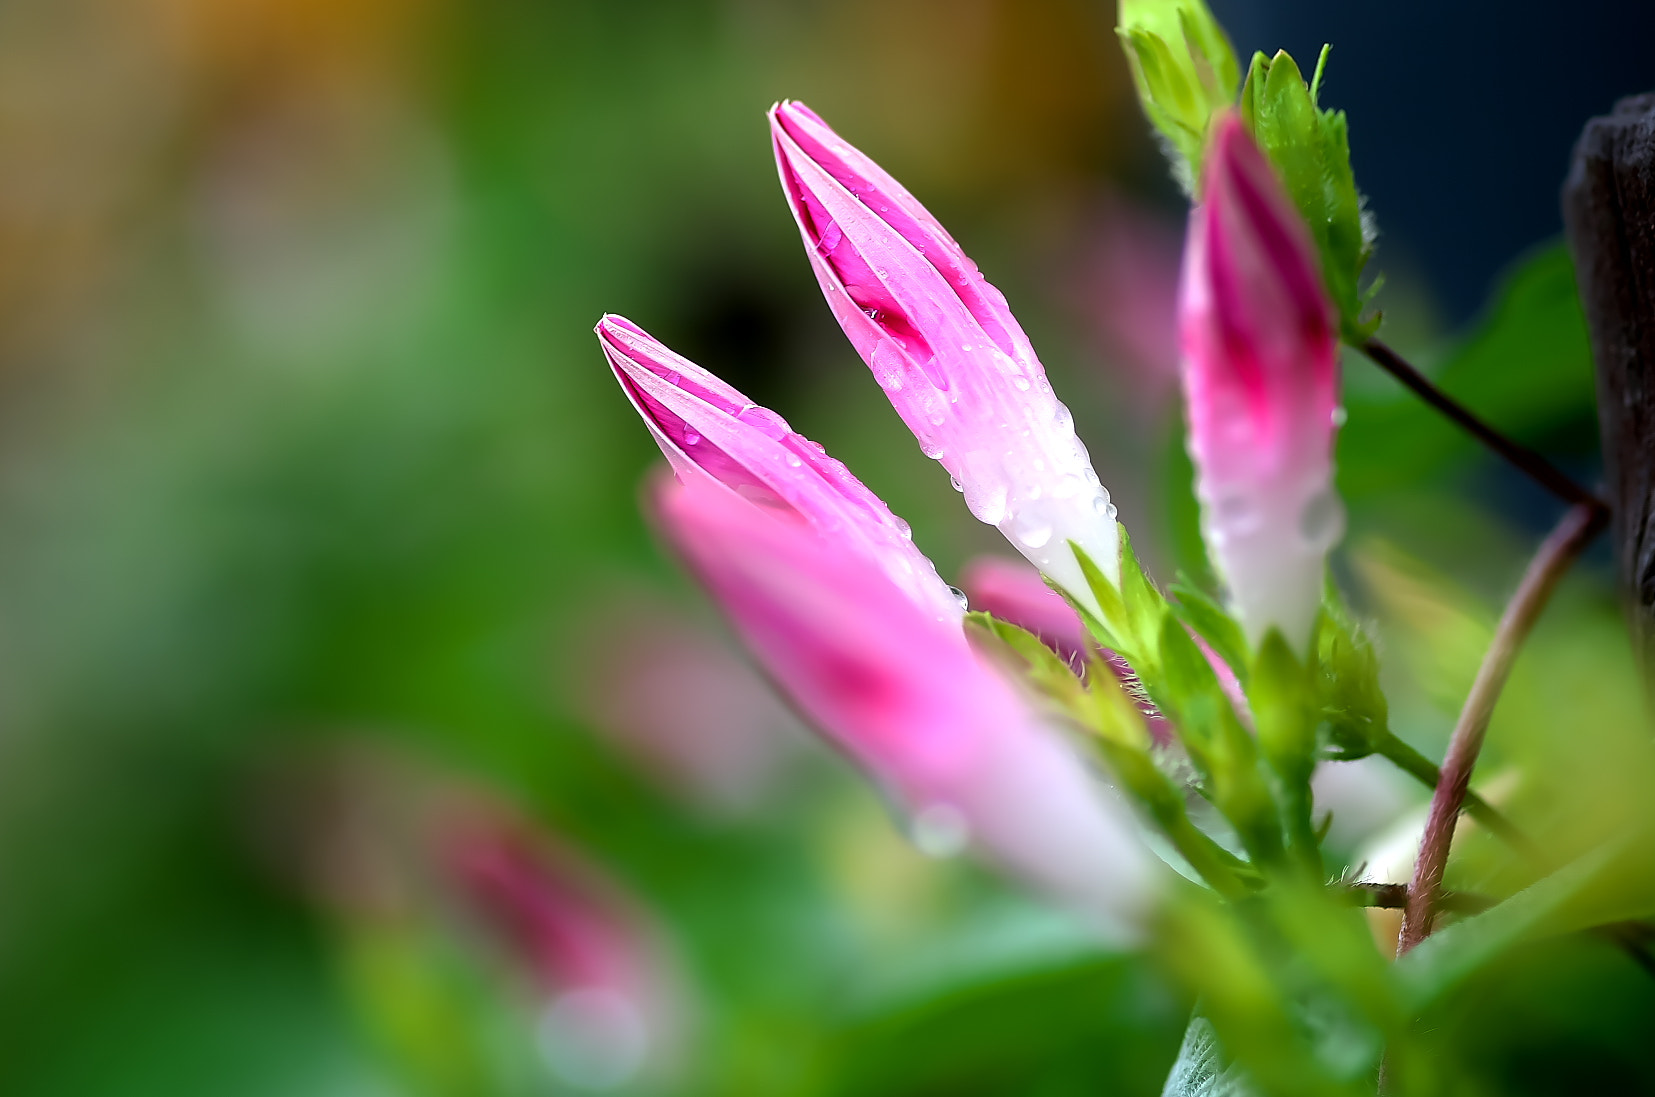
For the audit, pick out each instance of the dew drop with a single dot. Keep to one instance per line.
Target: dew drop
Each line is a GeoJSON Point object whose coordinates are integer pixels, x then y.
{"type": "Point", "coordinates": [959, 596]}
{"type": "Point", "coordinates": [672, 377]}
{"type": "Point", "coordinates": [691, 438]}
{"type": "Point", "coordinates": [593, 1038]}
{"type": "Point", "coordinates": [940, 830]}
{"type": "Point", "coordinates": [1321, 520]}
{"type": "Point", "coordinates": [1035, 536]}
{"type": "Point", "coordinates": [932, 450]}
{"type": "Point", "coordinates": [1021, 383]}
{"type": "Point", "coordinates": [1235, 515]}
{"type": "Point", "coordinates": [955, 483]}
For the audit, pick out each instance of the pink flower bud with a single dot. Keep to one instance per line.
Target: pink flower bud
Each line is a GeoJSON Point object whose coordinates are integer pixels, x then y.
{"type": "Point", "coordinates": [1014, 592]}
{"type": "Point", "coordinates": [711, 432]}
{"type": "Point", "coordinates": [945, 347]}
{"type": "Point", "coordinates": [612, 1011]}
{"type": "Point", "coordinates": [906, 697]}
{"type": "Point", "coordinates": [1261, 384]}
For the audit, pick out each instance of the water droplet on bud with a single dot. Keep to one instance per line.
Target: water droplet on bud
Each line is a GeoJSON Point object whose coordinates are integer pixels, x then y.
{"type": "Point", "coordinates": [940, 830]}
{"type": "Point", "coordinates": [959, 596]}
{"type": "Point", "coordinates": [1322, 520]}
{"type": "Point", "coordinates": [1036, 535]}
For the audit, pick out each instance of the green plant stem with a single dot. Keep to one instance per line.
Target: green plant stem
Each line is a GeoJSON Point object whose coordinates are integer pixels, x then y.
{"type": "Point", "coordinates": [1572, 534]}
{"type": "Point", "coordinates": [1301, 828]}
{"type": "Point", "coordinates": [1217, 865]}
{"type": "Point", "coordinates": [1542, 471]}
{"type": "Point", "coordinates": [1427, 773]}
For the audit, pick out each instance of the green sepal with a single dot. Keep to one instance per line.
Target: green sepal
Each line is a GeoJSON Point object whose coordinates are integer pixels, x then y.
{"type": "Point", "coordinates": [1283, 698]}
{"type": "Point", "coordinates": [1310, 148]}
{"type": "Point", "coordinates": [1185, 71]}
{"type": "Point", "coordinates": [1223, 633]}
{"type": "Point", "coordinates": [1145, 604]}
{"type": "Point", "coordinates": [1129, 615]}
{"type": "Point", "coordinates": [1355, 715]}
{"type": "Point", "coordinates": [1282, 695]}
{"type": "Point", "coordinates": [1222, 749]}
{"type": "Point", "coordinates": [1110, 625]}
{"type": "Point", "coordinates": [1042, 667]}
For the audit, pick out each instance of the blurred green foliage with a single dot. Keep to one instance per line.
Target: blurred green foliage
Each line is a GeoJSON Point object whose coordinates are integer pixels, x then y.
{"type": "Point", "coordinates": [310, 472]}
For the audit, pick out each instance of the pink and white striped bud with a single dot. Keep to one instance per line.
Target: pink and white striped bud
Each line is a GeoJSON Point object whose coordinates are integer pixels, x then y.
{"type": "Point", "coordinates": [913, 705]}
{"type": "Point", "coordinates": [1261, 360]}
{"type": "Point", "coordinates": [945, 347]}
{"type": "Point", "coordinates": [711, 432]}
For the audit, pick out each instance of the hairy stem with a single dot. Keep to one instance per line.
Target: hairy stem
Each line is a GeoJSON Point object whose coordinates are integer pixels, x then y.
{"type": "Point", "coordinates": [1557, 552]}
{"type": "Point", "coordinates": [1542, 471]}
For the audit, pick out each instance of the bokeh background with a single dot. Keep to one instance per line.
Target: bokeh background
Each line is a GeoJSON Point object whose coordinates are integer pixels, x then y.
{"type": "Point", "coordinates": [349, 714]}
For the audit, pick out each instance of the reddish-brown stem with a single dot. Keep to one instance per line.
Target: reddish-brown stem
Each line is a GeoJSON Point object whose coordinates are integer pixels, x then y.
{"type": "Point", "coordinates": [1542, 471]}
{"type": "Point", "coordinates": [1557, 552]}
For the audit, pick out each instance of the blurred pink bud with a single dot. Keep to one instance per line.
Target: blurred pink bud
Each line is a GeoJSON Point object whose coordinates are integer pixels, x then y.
{"type": "Point", "coordinates": [945, 347]}
{"type": "Point", "coordinates": [611, 1009]}
{"type": "Point", "coordinates": [1261, 384]}
{"type": "Point", "coordinates": [1014, 592]}
{"type": "Point", "coordinates": [905, 696]}
{"type": "Point", "coordinates": [713, 433]}
{"type": "Point", "coordinates": [672, 695]}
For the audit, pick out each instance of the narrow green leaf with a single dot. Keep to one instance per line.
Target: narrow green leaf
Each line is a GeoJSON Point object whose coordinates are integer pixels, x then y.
{"type": "Point", "coordinates": [1452, 955]}
{"type": "Point", "coordinates": [1145, 605]}
{"type": "Point", "coordinates": [1222, 632]}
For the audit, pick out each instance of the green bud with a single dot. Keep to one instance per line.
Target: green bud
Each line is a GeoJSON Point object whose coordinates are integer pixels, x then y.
{"type": "Point", "coordinates": [1310, 148]}
{"type": "Point", "coordinates": [1185, 71]}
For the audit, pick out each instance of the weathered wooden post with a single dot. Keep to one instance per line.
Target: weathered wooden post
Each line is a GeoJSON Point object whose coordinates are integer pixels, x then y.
{"type": "Point", "coordinates": [1609, 211]}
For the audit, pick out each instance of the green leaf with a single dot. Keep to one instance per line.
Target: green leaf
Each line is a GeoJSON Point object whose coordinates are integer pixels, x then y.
{"type": "Point", "coordinates": [1452, 955]}
{"type": "Point", "coordinates": [1200, 1069]}
{"type": "Point", "coordinates": [1185, 70]}
{"type": "Point", "coordinates": [1222, 632]}
{"type": "Point", "coordinates": [1310, 148]}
